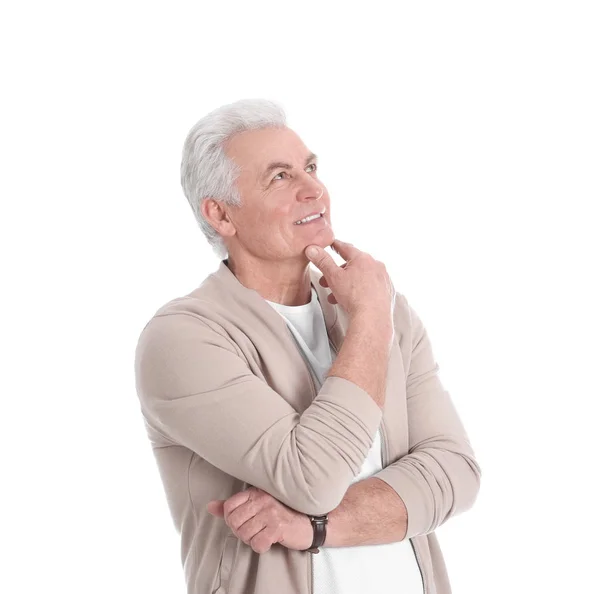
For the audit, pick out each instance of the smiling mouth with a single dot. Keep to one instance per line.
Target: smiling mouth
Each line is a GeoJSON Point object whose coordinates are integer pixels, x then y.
{"type": "Point", "coordinates": [314, 218]}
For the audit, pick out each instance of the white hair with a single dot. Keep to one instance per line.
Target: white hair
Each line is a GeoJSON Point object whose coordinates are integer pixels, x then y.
{"type": "Point", "coordinates": [206, 171]}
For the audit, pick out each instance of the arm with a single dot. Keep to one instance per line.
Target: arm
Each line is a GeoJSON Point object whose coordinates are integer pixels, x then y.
{"type": "Point", "coordinates": [439, 477]}
{"type": "Point", "coordinates": [371, 513]}
{"type": "Point", "coordinates": [198, 392]}
{"type": "Point", "coordinates": [260, 520]}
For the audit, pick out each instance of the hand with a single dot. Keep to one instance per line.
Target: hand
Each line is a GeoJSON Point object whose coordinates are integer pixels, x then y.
{"type": "Point", "coordinates": [360, 285]}
{"type": "Point", "coordinates": [260, 520]}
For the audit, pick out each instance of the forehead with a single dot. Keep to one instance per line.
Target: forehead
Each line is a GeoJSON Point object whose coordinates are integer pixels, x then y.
{"type": "Point", "coordinates": [253, 150]}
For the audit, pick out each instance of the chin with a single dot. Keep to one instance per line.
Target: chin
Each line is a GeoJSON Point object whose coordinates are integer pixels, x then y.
{"type": "Point", "coordinates": [327, 239]}
{"type": "Point", "coordinates": [323, 240]}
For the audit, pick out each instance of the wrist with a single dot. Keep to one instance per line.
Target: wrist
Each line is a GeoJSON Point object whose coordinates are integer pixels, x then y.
{"type": "Point", "coordinates": [306, 531]}
{"type": "Point", "coordinates": [319, 532]}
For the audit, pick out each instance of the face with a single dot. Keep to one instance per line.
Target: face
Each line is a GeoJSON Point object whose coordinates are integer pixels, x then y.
{"type": "Point", "coordinates": [279, 185]}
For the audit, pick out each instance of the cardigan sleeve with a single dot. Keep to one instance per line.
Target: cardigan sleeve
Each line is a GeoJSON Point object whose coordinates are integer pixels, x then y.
{"type": "Point", "coordinates": [198, 392]}
{"type": "Point", "coordinates": [439, 476]}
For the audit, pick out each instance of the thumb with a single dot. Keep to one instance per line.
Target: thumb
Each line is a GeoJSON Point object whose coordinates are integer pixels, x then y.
{"type": "Point", "coordinates": [216, 507]}
{"type": "Point", "coordinates": [321, 259]}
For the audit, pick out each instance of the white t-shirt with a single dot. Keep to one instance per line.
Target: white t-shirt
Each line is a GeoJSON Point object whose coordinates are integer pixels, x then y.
{"type": "Point", "coordinates": [368, 569]}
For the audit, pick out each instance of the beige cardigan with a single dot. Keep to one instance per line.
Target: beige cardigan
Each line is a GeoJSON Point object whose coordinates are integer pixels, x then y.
{"type": "Point", "coordinates": [228, 403]}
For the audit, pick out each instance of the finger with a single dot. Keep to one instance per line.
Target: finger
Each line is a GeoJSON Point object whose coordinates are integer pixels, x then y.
{"type": "Point", "coordinates": [323, 282]}
{"type": "Point", "coordinates": [262, 541]}
{"type": "Point", "coordinates": [242, 514]}
{"type": "Point", "coordinates": [249, 529]}
{"type": "Point", "coordinates": [322, 260]}
{"type": "Point", "coordinates": [235, 501]}
{"type": "Point", "coordinates": [346, 250]}
{"type": "Point", "coordinates": [215, 507]}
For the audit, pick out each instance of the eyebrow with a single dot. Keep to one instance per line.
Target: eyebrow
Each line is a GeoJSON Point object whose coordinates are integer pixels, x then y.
{"type": "Point", "coordinates": [280, 165]}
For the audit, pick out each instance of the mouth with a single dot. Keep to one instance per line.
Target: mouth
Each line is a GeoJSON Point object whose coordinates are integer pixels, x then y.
{"type": "Point", "coordinates": [315, 216]}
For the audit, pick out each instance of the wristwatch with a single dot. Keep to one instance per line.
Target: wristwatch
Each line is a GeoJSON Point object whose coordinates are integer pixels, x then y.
{"type": "Point", "coordinates": [319, 524]}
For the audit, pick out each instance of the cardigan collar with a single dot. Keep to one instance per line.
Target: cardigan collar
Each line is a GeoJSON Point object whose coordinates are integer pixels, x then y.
{"type": "Point", "coordinates": [335, 318]}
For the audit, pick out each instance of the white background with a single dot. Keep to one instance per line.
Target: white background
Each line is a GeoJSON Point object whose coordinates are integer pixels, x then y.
{"type": "Point", "coordinates": [460, 145]}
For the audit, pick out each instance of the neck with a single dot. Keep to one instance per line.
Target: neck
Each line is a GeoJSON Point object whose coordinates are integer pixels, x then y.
{"type": "Point", "coordinates": [285, 282]}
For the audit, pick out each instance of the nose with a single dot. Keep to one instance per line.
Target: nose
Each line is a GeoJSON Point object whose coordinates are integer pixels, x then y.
{"type": "Point", "coordinates": [310, 190]}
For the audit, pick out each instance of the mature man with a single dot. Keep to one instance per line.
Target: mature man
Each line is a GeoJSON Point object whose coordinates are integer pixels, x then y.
{"type": "Point", "coordinates": [295, 410]}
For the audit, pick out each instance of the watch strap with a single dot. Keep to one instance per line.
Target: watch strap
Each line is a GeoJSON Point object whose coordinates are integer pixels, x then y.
{"type": "Point", "coordinates": [319, 524]}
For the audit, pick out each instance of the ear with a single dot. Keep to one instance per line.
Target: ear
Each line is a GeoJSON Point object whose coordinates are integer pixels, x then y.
{"type": "Point", "coordinates": [217, 214]}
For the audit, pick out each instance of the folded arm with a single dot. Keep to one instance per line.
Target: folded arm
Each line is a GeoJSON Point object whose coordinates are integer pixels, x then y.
{"type": "Point", "coordinates": [438, 478]}
{"type": "Point", "coordinates": [371, 513]}
{"type": "Point", "coordinates": [197, 391]}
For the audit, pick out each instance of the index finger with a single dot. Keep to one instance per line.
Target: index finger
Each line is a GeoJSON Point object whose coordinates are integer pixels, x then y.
{"type": "Point", "coordinates": [235, 501]}
{"type": "Point", "coordinates": [346, 250]}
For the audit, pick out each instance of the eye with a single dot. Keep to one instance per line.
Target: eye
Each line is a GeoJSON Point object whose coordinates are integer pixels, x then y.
{"type": "Point", "coordinates": [313, 165]}
{"type": "Point", "coordinates": [277, 176]}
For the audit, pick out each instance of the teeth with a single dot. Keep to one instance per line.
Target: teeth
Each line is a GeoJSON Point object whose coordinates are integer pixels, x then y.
{"type": "Point", "coordinates": [307, 219]}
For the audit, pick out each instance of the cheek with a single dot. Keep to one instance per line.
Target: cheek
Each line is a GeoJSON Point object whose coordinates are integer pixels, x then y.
{"type": "Point", "coordinates": [281, 213]}
{"type": "Point", "coordinates": [279, 219]}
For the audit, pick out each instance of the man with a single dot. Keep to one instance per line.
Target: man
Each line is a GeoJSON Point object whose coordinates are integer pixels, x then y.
{"type": "Point", "coordinates": [294, 412]}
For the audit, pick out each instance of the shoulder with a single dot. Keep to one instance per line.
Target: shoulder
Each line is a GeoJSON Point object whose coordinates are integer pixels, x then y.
{"type": "Point", "coordinates": [200, 307]}
{"type": "Point", "coordinates": [402, 313]}
{"type": "Point", "coordinates": [181, 351]}
{"type": "Point", "coordinates": [408, 326]}
{"type": "Point", "coordinates": [181, 328]}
